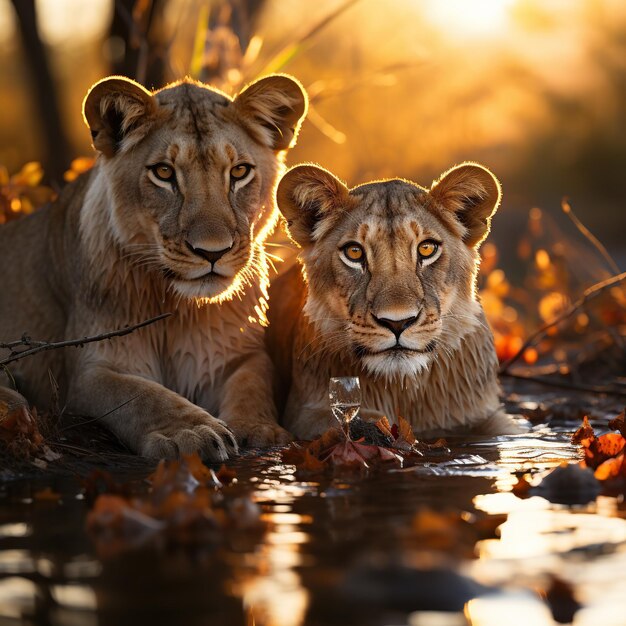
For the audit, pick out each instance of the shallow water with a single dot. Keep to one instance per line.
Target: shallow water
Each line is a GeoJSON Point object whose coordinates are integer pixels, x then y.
{"type": "Point", "coordinates": [342, 549]}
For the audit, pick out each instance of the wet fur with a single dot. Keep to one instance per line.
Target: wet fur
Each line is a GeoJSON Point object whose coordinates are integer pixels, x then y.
{"type": "Point", "coordinates": [113, 251]}
{"type": "Point", "coordinates": [450, 383]}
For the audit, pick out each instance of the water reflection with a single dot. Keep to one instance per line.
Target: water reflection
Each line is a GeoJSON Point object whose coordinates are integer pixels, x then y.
{"type": "Point", "coordinates": [17, 597]}
{"type": "Point", "coordinates": [275, 596]}
{"type": "Point", "coordinates": [80, 597]}
{"type": "Point", "coordinates": [323, 540]}
{"type": "Point", "coordinates": [520, 609]}
{"type": "Point", "coordinates": [15, 530]}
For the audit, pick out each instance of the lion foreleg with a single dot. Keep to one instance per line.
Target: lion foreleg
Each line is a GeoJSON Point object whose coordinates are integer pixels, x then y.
{"type": "Point", "coordinates": [151, 419]}
{"type": "Point", "coordinates": [248, 406]}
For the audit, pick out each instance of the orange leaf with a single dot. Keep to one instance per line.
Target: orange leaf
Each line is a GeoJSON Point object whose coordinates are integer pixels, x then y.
{"type": "Point", "coordinates": [226, 475]}
{"type": "Point", "coordinates": [330, 438]}
{"type": "Point", "coordinates": [611, 468]}
{"type": "Point", "coordinates": [197, 468]}
{"type": "Point", "coordinates": [521, 488]}
{"type": "Point", "coordinates": [19, 430]}
{"type": "Point", "coordinates": [385, 427]}
{"type": "Point", "coordinates": [107, 512]}
{"type": "Point", "coordinates": [602, 448]}
{"type": "Point", "coordinates": [30, 175]}
{"type": "Point", "coordinates": [406, 432]}
{"type": "Point", "coordinates": [312, 463]}
{"type": "Point", "coordinates": [47, 494]}
{"type": "Point", "coordinates": [611, 444]}
{"type": "Point", "coordinates": [617, 423]}
{"type": "Point", "coordinates": [584, 432]}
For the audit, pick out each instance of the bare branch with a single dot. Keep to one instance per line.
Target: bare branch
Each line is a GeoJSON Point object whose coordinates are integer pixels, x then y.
{"type": "Point", "coordinates": [595, 242]}
{"type": "Point", "coordinates": [588, 294]}
{"type": "Point", "coordinates": [35, 347]}
{"type": "Point", "coordinates": [565, 384]}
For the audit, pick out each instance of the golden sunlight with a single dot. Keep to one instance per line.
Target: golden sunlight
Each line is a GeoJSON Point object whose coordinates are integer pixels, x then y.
{"type": "Point", "coordinates": [88, 19]}
{"type": "Point", "coordinates": [469, 17]}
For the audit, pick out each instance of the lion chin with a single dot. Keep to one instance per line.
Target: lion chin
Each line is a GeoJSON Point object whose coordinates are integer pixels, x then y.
{"type": "Point", "coordinates": [206, 287]}
{"type": "Point", "coordinates": [397, 364]}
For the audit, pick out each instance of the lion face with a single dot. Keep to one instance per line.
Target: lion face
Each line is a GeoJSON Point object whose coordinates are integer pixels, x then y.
{"type": "Point", "coordinates": [191, 174]}
{"type": "Point", "coordinates": [390, 266]}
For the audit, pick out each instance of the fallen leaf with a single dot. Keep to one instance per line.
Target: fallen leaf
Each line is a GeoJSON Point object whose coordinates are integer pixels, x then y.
{"type": "Point", "coordinates": [311, 463]}
{"type": "Point", "coordinates": [332, 449]}
{"type": "Point", "coordinates": [584, 432]}
{"type": "Point", "coordinates": [47, 494]}
{"type": "Point", "coordinates": [611, 468]}
{"type": "Point", "coordinates": [183, 506]}
{"type": "Point", "coordinates": [226, 475]}
{"type": "Point", "coordinates": [617, 423]}
{"type": "Point", "coordinates": [19, 430]}
{"type": "Point", "coordinates": [357, 454]}
{"type": "Point", "coordinates": [385, 427]}
{"type": "Point", "coordinates": [330, 438]}
{"type": "Point", "coordinates": [400, 433]}
{"type": "Point", "coordinates": [99, 482]}
{"type": "Point", "coordinates": [600, 449]}
{"type": "Point", "coordinates": [405, 431]}
{"type": "Point", "coordinates": [522, 487]}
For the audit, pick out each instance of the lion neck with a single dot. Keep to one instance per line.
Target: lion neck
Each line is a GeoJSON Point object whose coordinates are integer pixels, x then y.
{"type": "Point", "coordinates": [451, 387]}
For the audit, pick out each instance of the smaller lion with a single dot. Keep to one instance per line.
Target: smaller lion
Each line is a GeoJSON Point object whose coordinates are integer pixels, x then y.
{"type": "Point", "coordinates": [387, 292]}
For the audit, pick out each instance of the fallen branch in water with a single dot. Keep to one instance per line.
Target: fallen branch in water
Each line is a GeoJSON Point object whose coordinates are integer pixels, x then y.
{"type": "Point", "coordinates": [540, 333]}
{"type": "Point", "coordinates": [565, 384]}
{"type": "Point", "coordinates": [34, 347]}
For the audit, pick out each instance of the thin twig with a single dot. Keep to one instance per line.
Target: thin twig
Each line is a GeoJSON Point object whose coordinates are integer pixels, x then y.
{"type": "Point", "coordinates": [100, 417]}
{"type": "Point", "coordinates": [588, 294]}
{"type": "Point", "coordinates": [595, 242]}
{"type": "Point", "coordinates": [286, 53]}
{"type": "Point", "coordinates": [43, 346]}
{"type": "Point", "coordinates": [564, 384]}
{"type": "Point", "coordinates": [24, 341]}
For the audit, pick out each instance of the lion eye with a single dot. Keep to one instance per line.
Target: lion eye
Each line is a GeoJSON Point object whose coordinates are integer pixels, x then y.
{"type": "Point", "coordinates": [354, 252]}
{"type": "Point", "coordinates": [427, 249]}
{"type": "Point", "coordinates": [239, 172]}
{"type": "Point", "coordinates": [164, 172]}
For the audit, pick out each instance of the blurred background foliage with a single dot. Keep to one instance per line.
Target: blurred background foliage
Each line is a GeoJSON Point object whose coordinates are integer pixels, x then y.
{"type": "Point", "coordinates": [534, 89]}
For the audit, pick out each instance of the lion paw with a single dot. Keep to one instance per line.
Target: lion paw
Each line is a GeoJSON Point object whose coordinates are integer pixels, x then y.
{"type": "Point", "coordinates": [259, 434]}
{"type": "Point", "coordinates": [197, 432]}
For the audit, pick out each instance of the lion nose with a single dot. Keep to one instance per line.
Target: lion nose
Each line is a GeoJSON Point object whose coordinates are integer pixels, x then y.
{"type": "Point", "coordinates": [212, 256]}
{"type": "Point", "coordinates": [397, 327]}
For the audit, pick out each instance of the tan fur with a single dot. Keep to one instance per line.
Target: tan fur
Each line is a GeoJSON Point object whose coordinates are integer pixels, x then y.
{"type": "Point", "coordinates": [120, 246]}
{"type": "Point", "coordinates": [440, 372]}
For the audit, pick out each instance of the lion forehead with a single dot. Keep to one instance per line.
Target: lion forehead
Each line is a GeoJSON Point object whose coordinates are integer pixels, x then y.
{"type": "Point", "coordinates": [194, 114]}
{"type": "Point", "coordinates": [391, 216]}
{"type": "Point", "coordinates": [187, 95]}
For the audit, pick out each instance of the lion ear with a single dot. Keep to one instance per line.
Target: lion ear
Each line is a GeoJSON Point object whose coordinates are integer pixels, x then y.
{"type": "Point", "coordinates": [272, 109]}
{"type": "Point", "coordinates": [472, 193]}
{"type": "Point", "coordinates": [307, 196]}
{"type": "Point", "coordinates": [118, 111]}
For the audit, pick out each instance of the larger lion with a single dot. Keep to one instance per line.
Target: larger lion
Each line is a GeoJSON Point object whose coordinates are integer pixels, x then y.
{"type": "Point", "coordinates": [172, 218]}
